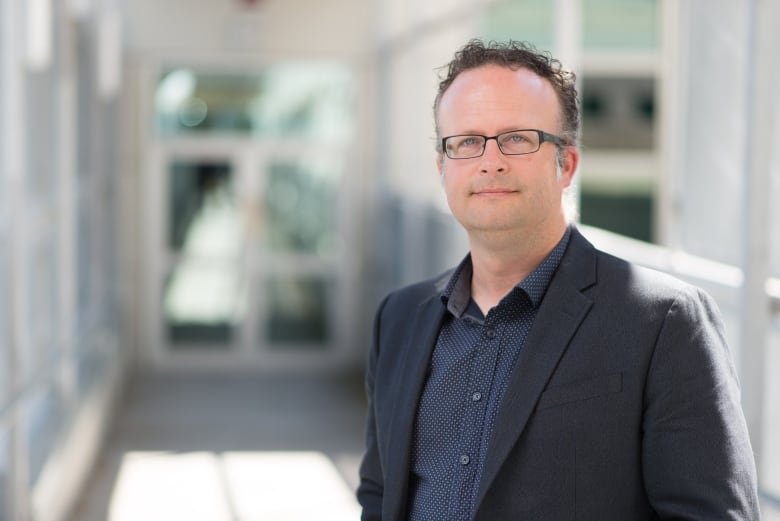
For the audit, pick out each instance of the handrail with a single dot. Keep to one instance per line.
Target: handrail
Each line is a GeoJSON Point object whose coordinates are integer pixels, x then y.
{"type": "Point", "coordinates": [677, 262]}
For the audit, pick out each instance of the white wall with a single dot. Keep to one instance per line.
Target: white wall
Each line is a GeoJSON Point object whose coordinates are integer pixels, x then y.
{"type": "Point", "coordinates": [307, 27]}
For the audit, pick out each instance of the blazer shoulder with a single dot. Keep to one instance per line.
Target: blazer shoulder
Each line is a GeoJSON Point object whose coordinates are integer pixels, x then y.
{"type": "Point", "coordinates": [600, 273]}
{"type": "Point", "coordinates": [645, 283]}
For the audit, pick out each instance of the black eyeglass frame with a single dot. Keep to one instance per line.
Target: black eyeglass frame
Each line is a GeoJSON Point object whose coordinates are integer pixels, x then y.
{"type": "Point", "coordinates": [544, 137]}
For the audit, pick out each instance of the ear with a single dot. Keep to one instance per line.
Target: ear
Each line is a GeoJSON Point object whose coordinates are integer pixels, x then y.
{"type": "Point", "coordinates": [571, 160]}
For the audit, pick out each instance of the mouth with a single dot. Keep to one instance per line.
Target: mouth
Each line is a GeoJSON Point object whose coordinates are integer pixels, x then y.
{"type": "Point", "coordinates": [493, 192]}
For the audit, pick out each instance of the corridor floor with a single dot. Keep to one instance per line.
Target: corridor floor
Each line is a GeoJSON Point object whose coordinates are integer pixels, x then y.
{"type": "Point", "coordinates": [234, 448]}
{"type": "Point", "coordinates": [230, 448]}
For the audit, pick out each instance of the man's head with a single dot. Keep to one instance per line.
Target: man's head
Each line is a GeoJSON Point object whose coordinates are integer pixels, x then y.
{"type": "Point", "coordinates": [510, 151]}
{"type": "Point", "coordinates": [516, 55]}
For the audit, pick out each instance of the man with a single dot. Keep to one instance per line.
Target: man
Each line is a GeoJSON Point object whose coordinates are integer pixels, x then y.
{"type": "Point", "coordinates": [543, 379]}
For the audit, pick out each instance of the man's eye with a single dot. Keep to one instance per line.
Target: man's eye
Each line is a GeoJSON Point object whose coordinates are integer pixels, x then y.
{"type": "Point", "coordinates": [469, 141]}
{"type": "Point", "coordinates": [517, 138]}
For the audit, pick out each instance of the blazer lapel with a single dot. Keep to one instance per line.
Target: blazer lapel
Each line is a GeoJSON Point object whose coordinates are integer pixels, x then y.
{"type": "Point", "coordinates": [422, 339]}
{"type": "Point", "coordinates": [560, 314]}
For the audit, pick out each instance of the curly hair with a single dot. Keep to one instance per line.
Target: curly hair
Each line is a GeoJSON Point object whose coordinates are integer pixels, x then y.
{"type": "Point", "coordinates": [518, 55]}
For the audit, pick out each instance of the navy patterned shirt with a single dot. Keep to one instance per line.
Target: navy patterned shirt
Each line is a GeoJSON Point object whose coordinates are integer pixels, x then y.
{"type": "Point", "coordinates": [469, 371]}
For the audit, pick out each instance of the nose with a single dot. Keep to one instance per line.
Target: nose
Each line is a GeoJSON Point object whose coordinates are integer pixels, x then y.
{"type": "Point", "coordinates": [492, 160]}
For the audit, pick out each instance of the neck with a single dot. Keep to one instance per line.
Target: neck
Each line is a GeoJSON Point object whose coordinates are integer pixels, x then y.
{"type": "Point", "coordinates": [500, 261]}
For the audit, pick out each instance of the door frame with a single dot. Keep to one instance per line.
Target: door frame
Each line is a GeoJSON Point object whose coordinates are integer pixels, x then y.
{"type": "Point", "coordinates": [245, 154]}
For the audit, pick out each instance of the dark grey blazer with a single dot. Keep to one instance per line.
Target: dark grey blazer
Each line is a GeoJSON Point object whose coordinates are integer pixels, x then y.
{"type": "Point", "coordinates": [623, 404]}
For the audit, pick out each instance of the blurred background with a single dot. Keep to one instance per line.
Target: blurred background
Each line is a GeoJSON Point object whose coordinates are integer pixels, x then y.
{"type": "Point", "coordinates": [202, 201]}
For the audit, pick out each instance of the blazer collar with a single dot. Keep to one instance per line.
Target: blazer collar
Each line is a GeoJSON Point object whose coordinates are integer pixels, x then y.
{"type": "Point", "coordinates": [562, 310]}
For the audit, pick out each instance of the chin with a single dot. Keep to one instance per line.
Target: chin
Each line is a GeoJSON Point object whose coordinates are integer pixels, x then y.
{"type": "Point", "coordinates": [491, 225]}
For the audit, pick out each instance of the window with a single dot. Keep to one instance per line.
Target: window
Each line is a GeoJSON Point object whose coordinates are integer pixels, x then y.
{"type": "Point", "coordinates": [620, 25]}
{"type": "Point", "coordinates": [607, 25]}
{"type": "Point", "coordinates": [618, 112]}
{"type": "Point", "coordinates": [5, 476]}
{"type": "Point", "coordinates": [291, 99]}
{"type": "Point", "coordinates": [202, 294]}
{"type": "Point", "coordinates": [298, 310]}
{"type": "Point", "coordinates": [5, 324]}
{"type": "Point", "coordinates": [528, 20]}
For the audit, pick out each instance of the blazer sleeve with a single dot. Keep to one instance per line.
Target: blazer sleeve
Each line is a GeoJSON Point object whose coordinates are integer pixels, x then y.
{"type": "Point", "coordinates": [696, 454]}
{"type": "Point", "coordinates": [371, 488]}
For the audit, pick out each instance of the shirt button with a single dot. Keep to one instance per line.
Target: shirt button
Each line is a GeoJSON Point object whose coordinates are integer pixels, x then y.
{"type": "Point", "coordinates": [464, 460]}
{"type": "Point", "coordinates": [490, 333]}
{"type": "Point", "coordinates": [476, 396]}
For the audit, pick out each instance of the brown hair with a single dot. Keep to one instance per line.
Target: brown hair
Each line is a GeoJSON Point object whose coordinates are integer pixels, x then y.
{"type": "Point", "coordinates": [516, 55]}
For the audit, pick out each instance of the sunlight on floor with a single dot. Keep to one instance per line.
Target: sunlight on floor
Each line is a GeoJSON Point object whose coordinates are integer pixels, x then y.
{"type": "Point", "coordinates": [234, 486]}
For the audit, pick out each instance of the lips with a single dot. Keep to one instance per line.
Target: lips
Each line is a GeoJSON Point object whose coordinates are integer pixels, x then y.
{"type": "Point", "coordinates": [493, 191]}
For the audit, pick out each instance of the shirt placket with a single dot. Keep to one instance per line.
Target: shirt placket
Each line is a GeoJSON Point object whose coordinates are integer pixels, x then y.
{"type": "Point", "coordinates": [480, 384]}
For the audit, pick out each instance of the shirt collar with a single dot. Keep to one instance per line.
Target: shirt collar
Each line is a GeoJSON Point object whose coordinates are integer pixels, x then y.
{"type": "Point", "coordinates": [457, 293]}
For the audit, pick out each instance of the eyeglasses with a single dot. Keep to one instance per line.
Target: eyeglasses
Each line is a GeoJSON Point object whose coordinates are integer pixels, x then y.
{"type": "Point", "coordinates": [512, 143]}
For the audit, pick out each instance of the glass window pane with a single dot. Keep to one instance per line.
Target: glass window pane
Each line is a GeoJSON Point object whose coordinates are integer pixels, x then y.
{"type": "Point", "coordinates": [203, 213]}
{"type": "Point", "coordinates": [40, 106]}
{"type": "Point", "coordinates": [527, 20]}
{"type": "Point", "coordinates": [90, 367]}
{"type": "Point", "coordinates": [85, 253]}
{"type": "Point", "coordinates": [5, 476]}
{"type": "Point", "coordinates": [203, 302]}
{"type": "Point", "coordinates": [298, 311]}
{"type": "Point", "coordinates": [618, 112]}
{"type": "Point", "coordinates": [202, 295]}
{"type": "Point", "coordinates": [5, 325]}
{"type": "Point", "coordinates": [624, 210]}
{"type": "Point", "coordinates": [620, 24]}
{"type": "Point", "coordinates": [290, 99]}
{"type": "Point", "coordinates": [300, 200]}
{"type": "Point", "coordinates": [42, 311]}
{"type": "Point", "coordinates": [45, 420]}
{"type": "Point", "coordinates": [88, 101]}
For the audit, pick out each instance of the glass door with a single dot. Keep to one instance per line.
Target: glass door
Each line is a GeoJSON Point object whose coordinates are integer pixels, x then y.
{"type": "Point", "coordinates": [246, 221]}
{"type": "Point", "coordinates": [202, 301]}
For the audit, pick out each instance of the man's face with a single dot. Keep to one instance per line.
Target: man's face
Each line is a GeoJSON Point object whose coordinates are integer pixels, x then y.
{"type": "Point", "coordinates": [497, 192]}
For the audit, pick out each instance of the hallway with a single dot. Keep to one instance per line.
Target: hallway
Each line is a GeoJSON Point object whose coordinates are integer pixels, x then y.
{"type": "Point", "coordinates": [203, 203]}
{"type": "Point", "coordinates": [232, 448]}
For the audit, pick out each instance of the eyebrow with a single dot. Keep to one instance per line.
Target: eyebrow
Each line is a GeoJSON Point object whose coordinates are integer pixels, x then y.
{"type": "Point", "coordinates": [500, 131]}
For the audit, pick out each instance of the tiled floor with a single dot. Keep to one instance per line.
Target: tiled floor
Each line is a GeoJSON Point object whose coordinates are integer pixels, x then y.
{"type": "Point", "coordinates": [232, 448]}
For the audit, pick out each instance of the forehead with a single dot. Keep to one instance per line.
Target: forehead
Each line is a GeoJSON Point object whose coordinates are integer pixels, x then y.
{"type": "Point", "coordinates": [493, 98]}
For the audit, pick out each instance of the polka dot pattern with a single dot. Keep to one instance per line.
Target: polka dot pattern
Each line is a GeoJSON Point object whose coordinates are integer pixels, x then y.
{"type": "Point", "coordinates": [470, 367]}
